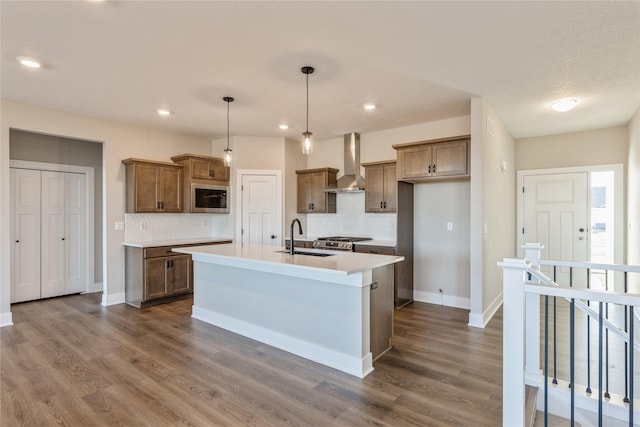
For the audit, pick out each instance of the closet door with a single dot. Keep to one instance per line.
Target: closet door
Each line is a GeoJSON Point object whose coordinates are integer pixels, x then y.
{"type": "Point", "coordinates": [75, 232]}
{"type": "Point", "coordinates": [25, 234]}
{"type": "Point", "coordinates": [53, 234]}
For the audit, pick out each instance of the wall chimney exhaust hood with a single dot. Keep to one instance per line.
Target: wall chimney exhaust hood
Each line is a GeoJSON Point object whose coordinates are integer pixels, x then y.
{"type": "Point", "coordinates": [351, 181]}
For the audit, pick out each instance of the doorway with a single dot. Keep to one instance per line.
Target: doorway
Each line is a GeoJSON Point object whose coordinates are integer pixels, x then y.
{"type": "Point", "coordinates": [260, 207]}
{"type": "Point", "coordinates": [577, 214]}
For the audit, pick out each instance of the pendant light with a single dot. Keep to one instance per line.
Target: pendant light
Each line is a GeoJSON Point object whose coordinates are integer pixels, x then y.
{"type": "Point", "coordinates": [227, 151]}
{"type": "Point", "coordinates": [307, 146]}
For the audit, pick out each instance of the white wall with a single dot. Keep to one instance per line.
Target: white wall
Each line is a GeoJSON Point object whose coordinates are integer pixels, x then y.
{"type": "Point", "coordinates": [120, 141]}
{"type": "Point", "coordinates": [633, 200]}
{"type": "Point", "coordinates": [592, 147]}
{"type": "Point", "coordinates": [493, 189]}
{"type": "Point", "coordinates": [435, 204]}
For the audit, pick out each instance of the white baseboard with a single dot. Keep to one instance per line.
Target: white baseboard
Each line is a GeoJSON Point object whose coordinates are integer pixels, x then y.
{"type": "Point", "coordinates": [442, 299]}
{"type": "Point", "coordinates": [6, 319]}
{"type": "Point", "coordinates": [477, 320]}
{"type": "Point", "coordinates": [113, 299]}
{"type": "Point", "coordinates": [359, 367]}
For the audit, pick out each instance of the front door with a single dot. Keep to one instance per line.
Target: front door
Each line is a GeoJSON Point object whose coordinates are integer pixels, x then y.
{"type": "Point", "coordinates": [261, 211]}
{"type": "Point", "coordinates": [555, 214]}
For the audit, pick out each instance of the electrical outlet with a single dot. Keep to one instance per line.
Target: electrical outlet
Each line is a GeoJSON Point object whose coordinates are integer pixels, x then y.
{"type": "Point", "coordinates": [449, 226]}
{"type": "Point", "coordinates": [119, 225]}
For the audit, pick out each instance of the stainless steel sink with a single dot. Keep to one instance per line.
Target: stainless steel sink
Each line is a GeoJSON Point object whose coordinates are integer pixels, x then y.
{"type": "Point", "coordinates": [319, 254]}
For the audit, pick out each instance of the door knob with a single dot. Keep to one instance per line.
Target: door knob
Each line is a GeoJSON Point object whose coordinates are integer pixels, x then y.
{"type": "Point", "coordinates": [580, 238]}
{"type": "Point", "coordinates": [581, 230]}
{"type": "Point", "coordinates": [63, 238]}
{"type": "Point", "coordinates": [17, 241]}
{"type": "Point", "coordinates": [273, 236]}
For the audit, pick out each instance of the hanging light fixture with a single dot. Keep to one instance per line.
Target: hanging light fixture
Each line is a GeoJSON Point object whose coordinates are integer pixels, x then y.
{"type": "Point", "coordinates": [227, 151]}
{"type": "Point", "coordinates": [307, 146]}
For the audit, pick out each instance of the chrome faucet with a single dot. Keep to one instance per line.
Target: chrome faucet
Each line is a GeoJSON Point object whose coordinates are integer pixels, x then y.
{"type": "Point", "coordinates": [291, 242]}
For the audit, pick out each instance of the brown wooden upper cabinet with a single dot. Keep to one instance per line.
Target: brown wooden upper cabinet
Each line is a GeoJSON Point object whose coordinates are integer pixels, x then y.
{"type": "Point", "coordinates": [381, 186]}
{"type": "Point", "coordinates": [311, 195]}
{"type": "Point", "coordinates": [203, 168]}
{"type": "Point", "coordinates": [153, 186]}
{"type": "Point", "coordinates": [444, 158]}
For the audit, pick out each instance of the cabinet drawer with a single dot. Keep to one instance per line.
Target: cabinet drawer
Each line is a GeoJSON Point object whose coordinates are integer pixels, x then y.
{"type": "Point", "coordinates": [158, 252]}
{"type": "Point", "coordinates": [381, 250]}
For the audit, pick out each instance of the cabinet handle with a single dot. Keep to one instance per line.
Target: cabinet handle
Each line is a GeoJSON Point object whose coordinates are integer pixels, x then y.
{"type": "Point", "coordinates": [434, 168]}
{"type": "Point", "coordinates": [17, 241]}
{"type": "Point", "coordinates": [374, 285]}
{"type": "Point", "coordinates": [63, 238]}
{"type": "Point", "coordinates": [161, 205]}
{"type": "Point", "coordinates": [385, 205]}
{"type": "Point", "coordinates": [157, 205]}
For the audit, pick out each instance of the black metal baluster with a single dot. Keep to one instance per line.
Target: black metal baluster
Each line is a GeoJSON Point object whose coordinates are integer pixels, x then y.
{"type": "Point", "coordinates": [606, 335]}
{"type": "Point", "coordinates": [572, 359]}
{"type": "Point", "coordinates": [626, 349]}
{"type": "Point", "coordinates": [555, 378]}
{"type": "Point", "coordinates": [600, 333]}
{"type": "Point", "coordinates": [571, 277]}
{"type": "Point", "coordinates": [588, 340]}
{"type": "Point", "coordinates": [546, 360]}
{"type": "Point", "coordinates": [631, 339]}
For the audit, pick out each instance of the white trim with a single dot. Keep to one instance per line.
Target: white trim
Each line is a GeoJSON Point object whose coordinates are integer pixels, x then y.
{"type": "Point", "coordinates": [97, 287]}
{"type": "Point", "coordinates": [89, 172]}
{"type": "Point", "coordinates": [6, 319]}
{"type": "Point", "coordinates": [343, 362]}
{"type": "Point", "coordinates": [480, 321]}
{"type": "Point", "coordinates": [113, 299]}
{"type": "Point", "coordinates": [279, 200]}
{"type": "Point", "coordinates": [441, 299]}
{"type": "Point", "coordinates": [619, 197]}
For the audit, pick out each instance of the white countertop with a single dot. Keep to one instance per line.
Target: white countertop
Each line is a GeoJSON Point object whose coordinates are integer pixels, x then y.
{"type": "Point", "coordinates": [177, 242]}
{"type": "Point", "coordinates": [259, 257]}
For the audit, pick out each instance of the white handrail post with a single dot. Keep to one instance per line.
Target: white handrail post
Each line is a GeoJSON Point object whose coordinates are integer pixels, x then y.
{"type": "Point", "coordinates": [513, 346]}
{"type": "Point", "coordinates": [532, 363]}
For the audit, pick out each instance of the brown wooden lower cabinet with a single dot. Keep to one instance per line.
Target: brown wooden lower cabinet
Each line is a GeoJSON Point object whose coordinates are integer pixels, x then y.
{"type": "Point", "coordinates": [403, 272]}
{"type": "Point", "coordinates": [381, 310]}
{"type": "Point", "coordinates": [156, 275]}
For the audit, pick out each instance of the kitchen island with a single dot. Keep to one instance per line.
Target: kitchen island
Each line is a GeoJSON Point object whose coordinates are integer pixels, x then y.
{"type": "Point", "coordinates": [317, 307]}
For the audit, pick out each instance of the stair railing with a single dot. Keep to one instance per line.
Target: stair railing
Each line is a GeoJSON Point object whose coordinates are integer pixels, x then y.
{"type": "Point", "coordinates": [524, 284]}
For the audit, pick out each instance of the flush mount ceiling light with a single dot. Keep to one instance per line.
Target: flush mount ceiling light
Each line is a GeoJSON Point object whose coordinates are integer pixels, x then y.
{"type": "Point", "coordinates": [29, 62]}
{"type": "Point", "coordinates": [563, 105]}
{"type": "Point", "coordinates": [163, 112]}
{"type": "Point", "coordinates": [369, 106]}
{"type": "Point", "coordinates": [283, 126]}
{"type": "Point", "coordinates": [227, 151]}
{"type": "Point", "coordinates": [307, 146]}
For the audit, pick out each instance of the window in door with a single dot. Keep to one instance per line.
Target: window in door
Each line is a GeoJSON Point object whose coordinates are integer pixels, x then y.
{"type": "Point", "coordinates": [602, 225]}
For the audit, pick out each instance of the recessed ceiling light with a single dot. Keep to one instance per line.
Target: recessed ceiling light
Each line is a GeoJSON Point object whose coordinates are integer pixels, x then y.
{"type": "Point", "coordinates": [163, 112]}
{"type": "Point", "coordinates": [29, 62]}
{"type": "Point", "coordinates": [283, 126]}
{"type": "Point", "coordinates": [563, 105]}
{"type": "Point", "coordinates": [369, 106]}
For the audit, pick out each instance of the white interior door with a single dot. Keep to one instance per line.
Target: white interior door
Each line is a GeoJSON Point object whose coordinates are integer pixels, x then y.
{"type": "Point", "coordinates": [25, 234]}
{"type": "Point", "coordinates": [53, 234]}
{"type": "Point", "coordinates": [261, 212]}
{"type": "Point", "coordinates": [75, 229]}
{"type": "Point", "coordinates": [555, 214]}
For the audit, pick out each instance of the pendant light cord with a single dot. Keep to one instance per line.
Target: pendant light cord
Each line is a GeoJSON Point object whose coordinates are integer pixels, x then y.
{"type": "Point", "coordinates": [307, 104]}
{"type": "Point", "coordinates": [228, 102]}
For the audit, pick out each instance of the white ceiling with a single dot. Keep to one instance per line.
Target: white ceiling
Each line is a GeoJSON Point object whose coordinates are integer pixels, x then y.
{"type": "Point", "coordinates": [419, 61]}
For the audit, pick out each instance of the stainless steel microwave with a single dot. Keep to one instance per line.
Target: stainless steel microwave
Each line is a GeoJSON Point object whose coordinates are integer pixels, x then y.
{"type": "Point", "coordinates": [207, 198]}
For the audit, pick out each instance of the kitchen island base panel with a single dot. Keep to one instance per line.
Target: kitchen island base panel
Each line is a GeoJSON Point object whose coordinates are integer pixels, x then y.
{"type": "Point", "coordinates": [315, 319]}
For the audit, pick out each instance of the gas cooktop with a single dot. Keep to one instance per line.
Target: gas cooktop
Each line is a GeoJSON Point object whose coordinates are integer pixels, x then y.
{"type": "Point", "coordinates": [342, 243]}
{"type": "Point", "coordinates": [345, 239]}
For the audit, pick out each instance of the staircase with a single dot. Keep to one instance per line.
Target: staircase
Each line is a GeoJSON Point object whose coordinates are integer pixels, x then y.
{"type": "Point", "coordinates": [535, 418]}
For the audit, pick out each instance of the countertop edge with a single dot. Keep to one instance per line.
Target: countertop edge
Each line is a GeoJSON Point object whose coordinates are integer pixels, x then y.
{"type": "Point", "coordinates": [177, 242]}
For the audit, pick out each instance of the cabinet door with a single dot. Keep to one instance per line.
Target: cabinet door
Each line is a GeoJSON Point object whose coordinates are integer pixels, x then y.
{"type": "Point", "coordinates": [170, 189]}
{"type": "Point", "coordinates": [25, 234]}
{"type": "Point", "coordinates": [218, 170]}
{"type": "Point", "coordinates": [146, 183]}
{"type": "Point", "coordinates": [414, 162]}
{"type": "Point", "coordinates": [75, 232]}
{"type": "Point", "coordinates": [200, 169]}
{"type": "Point", "coordinates": [155, 278]}
{"type": "Point", "coordinates": [450, 158]}
{"type": "Point", "coordinates": [179, 274]}
{"type": "Point", "coordinates": [390, 188]}
{"type": "Point", "coordinates": [317, 196]}
{"type": "Point", "coordinates": [374, 190]}
{"type": "Point", "coordinates": [303, 200]}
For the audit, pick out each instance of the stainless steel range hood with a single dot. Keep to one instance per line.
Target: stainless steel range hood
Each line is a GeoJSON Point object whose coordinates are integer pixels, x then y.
{"type": "Point", "coordinates": [351, 181]}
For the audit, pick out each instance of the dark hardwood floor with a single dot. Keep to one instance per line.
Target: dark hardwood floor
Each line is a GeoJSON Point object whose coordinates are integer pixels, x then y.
{"type": "Point", "coordinates": [69, 361]}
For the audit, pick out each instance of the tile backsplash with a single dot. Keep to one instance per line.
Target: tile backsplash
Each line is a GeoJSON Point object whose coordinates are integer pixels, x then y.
{"type": "Point", "coordinates": [164, 226]}
{"type": "Point", "coordinates": [350, 219]}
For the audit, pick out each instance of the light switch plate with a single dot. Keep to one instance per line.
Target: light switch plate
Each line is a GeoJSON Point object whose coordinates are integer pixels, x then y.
{"type": "Point", "coordinates": [119, 225]}
{"type": "Point", "coordinates": [449, 226]}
